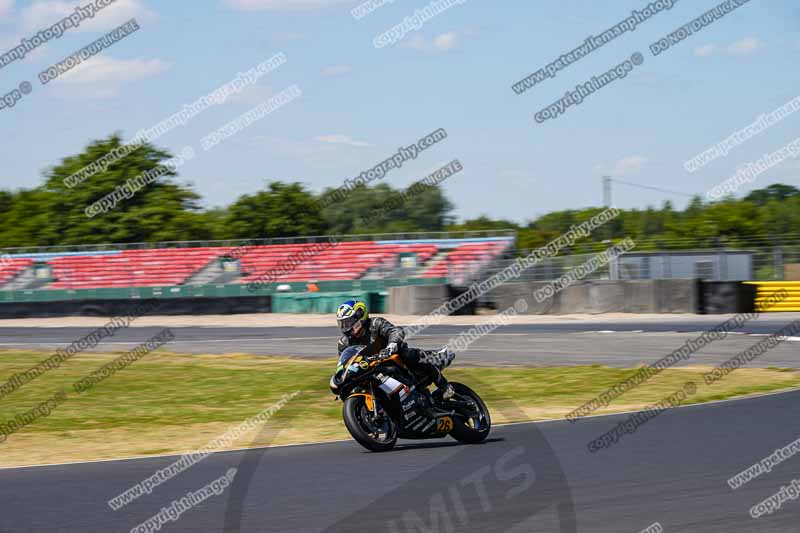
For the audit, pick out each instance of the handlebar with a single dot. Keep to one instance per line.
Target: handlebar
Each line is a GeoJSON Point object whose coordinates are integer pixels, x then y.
{"type": "Point", "coordinates": [383, 356]}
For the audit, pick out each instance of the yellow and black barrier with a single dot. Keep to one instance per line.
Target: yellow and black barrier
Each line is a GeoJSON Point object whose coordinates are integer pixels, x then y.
{"type": "Point", "coordinates": [765, 289]}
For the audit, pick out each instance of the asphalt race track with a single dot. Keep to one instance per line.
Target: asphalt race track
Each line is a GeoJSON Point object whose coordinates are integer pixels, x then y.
{"type": "Point", "coordinates": [622, 344]}
{"type": "Point", "coordinates": [527, 477]}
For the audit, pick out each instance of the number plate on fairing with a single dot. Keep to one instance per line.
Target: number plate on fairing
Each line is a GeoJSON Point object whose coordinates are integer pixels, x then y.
{"type": "Point", "coordinates": [444, 424]}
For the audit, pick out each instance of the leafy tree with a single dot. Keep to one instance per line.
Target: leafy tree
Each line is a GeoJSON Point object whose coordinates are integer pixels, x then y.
{"type": "Point", "coordinates": [280, 211]}
{"type": "Point", "coordinates": [483, 223]}
{"type": "Point", "coordinates": [777, 192]}
{"type": "Point", "coordinates": [382, 209]}
{"type": "Point", "coordinates": [26, 219]}
{"type": "Point", "coordinates": [159, 211]}
{"type": "Point", "coordinates": [163, 210]}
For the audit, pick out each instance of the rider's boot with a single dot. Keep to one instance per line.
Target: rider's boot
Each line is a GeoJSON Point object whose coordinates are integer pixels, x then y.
{"type": "Point", "coordinates": [435, 361]}
{"type": "Point", "coordinates": [444, 390]}
{"type": "Point", "coordinates": [448, 392]}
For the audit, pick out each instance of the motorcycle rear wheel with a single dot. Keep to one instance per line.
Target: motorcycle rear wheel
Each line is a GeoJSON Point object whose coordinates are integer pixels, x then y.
{"type": "Point", "coordinates": [477, 427]}
{"type": "Point", "coordinates": [358, 420]}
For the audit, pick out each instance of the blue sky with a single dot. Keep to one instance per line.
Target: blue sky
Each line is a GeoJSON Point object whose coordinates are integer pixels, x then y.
{"type": "Point", "coordinates": [360, 103]}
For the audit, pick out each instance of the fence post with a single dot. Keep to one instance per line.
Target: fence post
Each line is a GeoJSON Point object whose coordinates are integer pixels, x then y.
{"type": "Point", "coordinates": [778, 270]}
{"type": "Point", "coordinates": [613, 270]}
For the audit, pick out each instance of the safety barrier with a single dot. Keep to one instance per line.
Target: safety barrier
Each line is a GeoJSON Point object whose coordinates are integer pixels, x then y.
{"type": "Point", "coordinates": [325, 302]}
{"type": "Point", "coordinates": [767, 288]}
{"type": "Point", "coordinates": [604, 296]}
{"type": "Point", "coordinates": [209, 291]}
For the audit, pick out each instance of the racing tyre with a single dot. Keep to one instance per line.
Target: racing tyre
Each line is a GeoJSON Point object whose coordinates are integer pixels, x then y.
{"type": "Point", "coordinates": [475, 423]}
{"type": "Point", "coordinates": [377, 435]}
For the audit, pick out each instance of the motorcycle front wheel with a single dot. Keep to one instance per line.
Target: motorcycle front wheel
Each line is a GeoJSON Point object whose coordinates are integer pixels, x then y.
{"type": "Point", "coordinates": [375, 433]}
{"type": "Point", "coordinates": [475, 423]}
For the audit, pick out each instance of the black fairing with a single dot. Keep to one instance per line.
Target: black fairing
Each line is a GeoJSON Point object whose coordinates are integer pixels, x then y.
{"type": "Point", "coordinates": [350, 380]}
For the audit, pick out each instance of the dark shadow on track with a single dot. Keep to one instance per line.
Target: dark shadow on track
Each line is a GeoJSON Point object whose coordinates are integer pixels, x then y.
{"type": "Point", "coordinates": [432, 445]}
{"type": "Point", "coordinates": [524, 479]}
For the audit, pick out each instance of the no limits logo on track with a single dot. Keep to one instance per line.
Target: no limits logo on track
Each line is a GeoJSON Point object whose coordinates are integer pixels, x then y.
{"type": "Point", "coordinates": [498, 485]}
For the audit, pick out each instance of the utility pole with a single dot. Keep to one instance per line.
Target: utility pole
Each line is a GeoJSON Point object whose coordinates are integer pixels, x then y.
{"type": "Point", "coordinates": [607, 191]}
{"type": "Point", "coordinates": [607, 202]}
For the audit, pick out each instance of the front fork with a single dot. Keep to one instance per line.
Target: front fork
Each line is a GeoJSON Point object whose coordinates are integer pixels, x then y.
{"type": "Point", "coordinates": [374, 402]}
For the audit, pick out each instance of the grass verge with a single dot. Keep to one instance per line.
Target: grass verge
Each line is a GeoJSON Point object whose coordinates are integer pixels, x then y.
{"type": "Point", "coordinates": [170, 403]}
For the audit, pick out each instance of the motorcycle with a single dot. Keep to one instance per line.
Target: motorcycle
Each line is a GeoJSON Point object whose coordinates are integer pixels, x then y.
{"type": "Point", "coordinates": [384, 400]}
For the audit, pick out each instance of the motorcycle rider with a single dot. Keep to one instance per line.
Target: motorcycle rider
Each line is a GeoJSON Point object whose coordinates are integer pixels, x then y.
{"type": "Point", "coordinates": [359, 329]}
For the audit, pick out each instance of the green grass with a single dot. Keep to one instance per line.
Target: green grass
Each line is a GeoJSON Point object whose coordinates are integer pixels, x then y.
{"type": "Point", "coordinates": [168, 403]}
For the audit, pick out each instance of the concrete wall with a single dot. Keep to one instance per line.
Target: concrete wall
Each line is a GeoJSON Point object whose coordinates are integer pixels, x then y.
{"type": "Point", "coordinates": [588, 297]}
{"type": "Point", "coordinates": [416, 299]}
{"type": "Point", "coordinates": [601, 296]}
{"type": "Point", "coordinates": [167, 306]}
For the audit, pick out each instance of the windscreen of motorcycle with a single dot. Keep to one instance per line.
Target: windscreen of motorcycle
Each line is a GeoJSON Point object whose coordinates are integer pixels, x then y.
{"type": "Point", "coordinates": [349, 352]}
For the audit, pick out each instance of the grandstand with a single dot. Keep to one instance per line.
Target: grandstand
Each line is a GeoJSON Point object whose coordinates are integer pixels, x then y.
{"type": "Point", "coordinates": [11, 266]}
{"type": "Point", "coordinates": [460, 260]}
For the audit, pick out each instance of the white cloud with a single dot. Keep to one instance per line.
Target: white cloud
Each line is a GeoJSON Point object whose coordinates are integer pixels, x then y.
{"type": "Point", "coordinates": [94, 92]}
{"type": "Point", "coordinates": [102, 76]}
{"type": "Point", "coordinates": [305, 150]}
{"type": "Point", "coordinates": [338, 138]}
{"type": "Point", "coordinates": [336, 70]}
{"type": "Point", "coordinates": [280, 5]}
{"type": "Point", "coordinates": [324, 155]}
{"type": "Point", "coordinates": [441, 43]}
{"type": "Point", "coordinates": [417, 43]}
{"type": "Point", "coordinates": [42, 14]}
{"type": "Point", "coordinates": [37, 53]}
{"type": "Point", "coordinates": [6, 7]}
{"type": "Point", "coordinates": [705, 50]}
{"type": "Point", "coordinates": [104, 69]}
{"type": "Point", "coordinates": [446, 41]}
{"type": "Point", "coordinates": [628, 164]}
{"type": "Point", "coordinates": [745, 47]}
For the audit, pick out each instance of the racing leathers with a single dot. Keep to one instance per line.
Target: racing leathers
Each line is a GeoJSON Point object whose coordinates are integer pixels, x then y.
{"type": "Point", "coordinates": [378, 333]}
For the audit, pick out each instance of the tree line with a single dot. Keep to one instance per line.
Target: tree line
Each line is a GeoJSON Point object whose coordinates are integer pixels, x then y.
{"type": "Point", "coordinates": [53, 213]}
